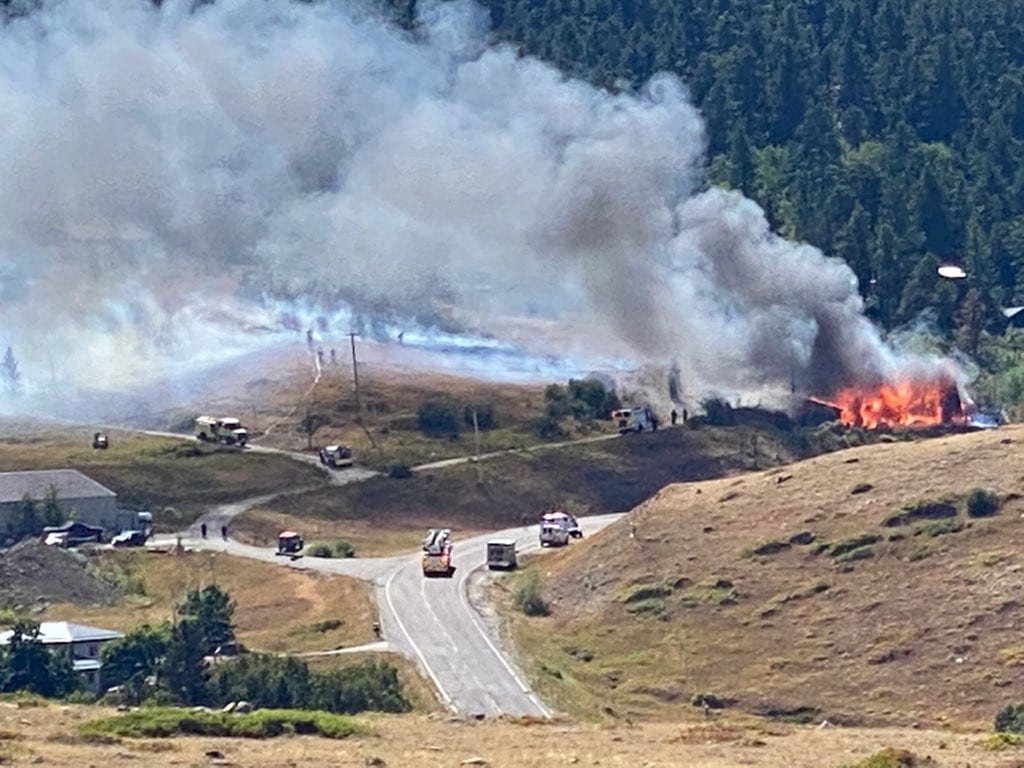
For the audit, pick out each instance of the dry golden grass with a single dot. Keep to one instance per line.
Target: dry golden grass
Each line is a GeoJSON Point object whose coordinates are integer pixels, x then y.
{"type": "Point", "coordinates": [48, 736]}
{"type": "Point", "coordinates": [278, 608]}
{"type": "Point", "coordinates": [926, 629]}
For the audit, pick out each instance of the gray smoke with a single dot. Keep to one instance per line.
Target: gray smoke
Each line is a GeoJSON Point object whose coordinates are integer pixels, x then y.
{"type": "Point", "coordinates": [174, 180]}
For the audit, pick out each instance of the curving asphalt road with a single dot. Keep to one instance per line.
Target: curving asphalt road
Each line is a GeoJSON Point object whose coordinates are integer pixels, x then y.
{"type": "Point", "coordinates": [433, 621]}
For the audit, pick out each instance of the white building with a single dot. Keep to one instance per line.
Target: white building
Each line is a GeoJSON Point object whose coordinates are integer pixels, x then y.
{"type": "Point", "coordinates": [82, 642]}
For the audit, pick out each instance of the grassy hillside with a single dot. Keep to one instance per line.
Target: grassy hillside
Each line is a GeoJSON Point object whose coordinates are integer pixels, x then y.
{"type": "Point", "coordinates": [385, 515]}
{"type": "Point", "coordinates": [716, 592]}
{"type": "Point", "coordinates": [176, 480]}
{"type": "Point", "coordinates": [280, 610]}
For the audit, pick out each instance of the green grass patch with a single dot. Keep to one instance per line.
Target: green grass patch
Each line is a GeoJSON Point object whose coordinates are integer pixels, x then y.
{"type": "Point", "coordinates": [861, 553]}
{"type": "Point", "coordinates": [772, 606]}
{"type": "Point", "coordinates": [765, 548]}
{"type": "Point", "coordinates": [262, 724]}
{"type": "Point", "coordinates": [840, 548]}
{"type": "Point", "coordinates": [890, 757]}
{"type": "Point", "coordinates": [998, 742]}
{"type": "Point", "coordinates": [652, 606]}
{"type": "Point", "coordinates": [922, 510]}
{"type": "Point", "coordinates": [943, 527]}
{"type": "Point", "coordinates": [643, 592]}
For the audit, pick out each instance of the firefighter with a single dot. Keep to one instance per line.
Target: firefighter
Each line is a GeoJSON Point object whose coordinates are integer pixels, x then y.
{"type": "Point", "coordinates": [202, 530]}
{"type": "Point", "coordinates": [674, 416]}
{"type": "Point", "coordinates": [224, 532]}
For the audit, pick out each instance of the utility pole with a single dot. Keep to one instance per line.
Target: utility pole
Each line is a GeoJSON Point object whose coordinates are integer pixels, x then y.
{"type": "Point", "coordinates": [476, 436]}
{"type": "Point", "coordinates": [355, 377]}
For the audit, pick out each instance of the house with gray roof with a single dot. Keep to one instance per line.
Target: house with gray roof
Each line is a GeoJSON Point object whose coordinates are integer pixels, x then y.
{"type": "Point", "coordinates": [82, 642]}
{"type": "Point", "coordinates": [79, 497]}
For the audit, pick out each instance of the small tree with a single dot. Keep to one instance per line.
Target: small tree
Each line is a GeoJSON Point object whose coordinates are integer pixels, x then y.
{"type": "Point", "coordinates": [27, 665]}
{"type": "Point", "coordinates": [130, 660]}
{"type": "Point", "coordinates": [438, 417]}
{"type": "Point", "coordinates": [211, 608]}
{"type": "Point", "coordinates": [311, 423]}
{"type": "Point", "coordinates": [183, 674]}
{"type": "Point", "coordinates": [9, 373]}
{"type": "Point", "coordinates": [51, 513]}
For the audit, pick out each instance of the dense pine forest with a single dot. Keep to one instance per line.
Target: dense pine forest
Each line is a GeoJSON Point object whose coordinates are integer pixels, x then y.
{"type": "Point", "coordinates": [886, 132]}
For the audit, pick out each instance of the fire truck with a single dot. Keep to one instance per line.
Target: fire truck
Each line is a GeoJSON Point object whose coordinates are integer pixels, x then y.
{"type": "Point", "coordinates": [224, 430]}
{"type": "Point", "coordinates": [437, 553]}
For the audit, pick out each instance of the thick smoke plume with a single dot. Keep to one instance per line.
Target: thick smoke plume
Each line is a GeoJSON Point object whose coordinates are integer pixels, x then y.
{"type": "Point", "coordinates": [180, 183]}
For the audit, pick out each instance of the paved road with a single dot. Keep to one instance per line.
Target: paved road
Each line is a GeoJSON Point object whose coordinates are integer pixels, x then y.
{"type": "Point", "coordinates": [433, 621]}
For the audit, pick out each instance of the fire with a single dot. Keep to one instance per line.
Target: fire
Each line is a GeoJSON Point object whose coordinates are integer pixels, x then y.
{"type": "Point", "coordinates": [904, 403]}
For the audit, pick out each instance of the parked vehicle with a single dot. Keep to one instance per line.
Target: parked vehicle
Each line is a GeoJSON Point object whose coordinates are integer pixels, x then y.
{"type": "Point", "coordinates": [559, 516]}
{"type": "Point", "coordinates": [501, 554]}
{"type": "Point", "coordinates": [225, 430]}
{"type": "Point", "coordinates": [72, 534]}
{"type": "Point", "coordinates": [336, 456]}
{"type": "Point", "coordinates": [290, 544]}
{"type": "Point", "coordinates": [553, 535]}
{"type": "Point", "coordinates": [100, 441]}
{"type": "Point", "coordinates": [129, 539]}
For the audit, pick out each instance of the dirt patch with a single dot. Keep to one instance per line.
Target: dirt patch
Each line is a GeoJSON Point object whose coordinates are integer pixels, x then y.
{"type": "Point", "coordinates": [31, 572]}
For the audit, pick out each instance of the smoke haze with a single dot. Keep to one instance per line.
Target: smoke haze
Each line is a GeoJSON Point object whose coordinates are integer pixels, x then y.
{"type": "Point", "coordinates": [183, 185]}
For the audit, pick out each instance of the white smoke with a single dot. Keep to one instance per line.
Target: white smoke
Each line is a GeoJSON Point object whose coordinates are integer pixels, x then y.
{"type": "Point", "coordinates": [173, 177]}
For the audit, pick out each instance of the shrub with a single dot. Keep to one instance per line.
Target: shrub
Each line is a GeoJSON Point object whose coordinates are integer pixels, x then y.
{"type": "Point", "coordinates": [856, 542]}
{"type": "Point", "coordinates": [547, 427]}
{"type": "Point", "coordinates": [438, 417]}
{"type": "Point", "coordinates": [889, 758]}
{"type": "Point", "coordinates": [982, 503]}
{"type": "Point", "coordinates": [643, 592]}
{"type": "Point", "coordinates": [399, 471]}
{"type": "Point", "coordinates": [717, 412]}
{"type": "Point", "coordinates": [319, 550]}
{"type": "Point", "coordinates": [344, 548]}
{"type": "Point", "coordinates": [528, 598]}
{"type": "Point", "coordinates": [485, 418]}
{"type": "Point", "coordinates": [168, 721]}
{"type": "Point", "coordinates": [1010, 719]}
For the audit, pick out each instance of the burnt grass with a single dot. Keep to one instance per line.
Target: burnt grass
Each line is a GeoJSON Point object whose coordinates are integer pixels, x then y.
{"type": "Point", "coordinates": [597, 478]}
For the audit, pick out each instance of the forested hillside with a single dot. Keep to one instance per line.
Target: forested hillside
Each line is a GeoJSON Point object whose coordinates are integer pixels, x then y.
{"type": "Point", "coordinates": [887, 132]}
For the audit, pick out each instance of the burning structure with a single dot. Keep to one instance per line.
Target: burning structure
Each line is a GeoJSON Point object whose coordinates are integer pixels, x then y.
{"type": "Point", "coordinates": [907, 402]}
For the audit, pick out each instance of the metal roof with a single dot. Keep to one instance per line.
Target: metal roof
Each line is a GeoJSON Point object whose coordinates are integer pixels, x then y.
{"type": "Point", "coordinates": [65, 632]}
{"type": "Point", "coordinates": [69, 483]}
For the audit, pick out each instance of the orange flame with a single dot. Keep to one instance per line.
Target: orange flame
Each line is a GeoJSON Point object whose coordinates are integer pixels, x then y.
{"type": "Point", "coordinates": [904, 403]}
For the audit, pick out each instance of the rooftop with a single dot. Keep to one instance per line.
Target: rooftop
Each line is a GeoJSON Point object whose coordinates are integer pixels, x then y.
{"type": "Point", "coordinates": [69, 484]}
{"type": "Point", "coordinates": [65, 632]}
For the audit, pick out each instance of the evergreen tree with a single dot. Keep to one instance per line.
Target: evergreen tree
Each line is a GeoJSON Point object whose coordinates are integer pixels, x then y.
{"type": "Point", "coordinates": [28, 665]}
{"type": "Point", "coordinates": [9, 373]}
{"type": "Point", "coordinates": [211, 610]}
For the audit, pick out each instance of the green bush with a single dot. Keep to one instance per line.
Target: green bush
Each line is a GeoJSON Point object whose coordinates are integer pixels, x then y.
{"type": "Point", "coordinates": [438, 417]}
{"type": "Point", "coordinates": [344, 548]}
{"type": "Point", "coordinates": [547, 427]}
{"type": "Point", "coordinates": [319, 550]}
{"type": "Point", "coordinates": [169, 721]}
{"type": "Point", "coordinates": [528, 598]}
{"type": "Point", "coordinates": [399, 471]}
{"type": "Point", "coordinates": [982, 503]}
{"type": "Point", "coordinates": [287, 683]}
{"type": "Point", "coordinates": [889, 758]}
{"type": "Point", "coordinates": [485, 418]}
{"type": "Point", "coordinates": [1010, 719]}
